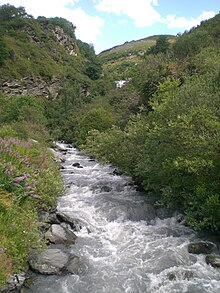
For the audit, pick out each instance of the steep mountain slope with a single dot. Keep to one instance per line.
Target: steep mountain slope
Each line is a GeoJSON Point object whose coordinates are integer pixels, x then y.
{"type": "Point", "coordinates": [36, 53]}
{"type": "Point", "coordinates": [45, 73]}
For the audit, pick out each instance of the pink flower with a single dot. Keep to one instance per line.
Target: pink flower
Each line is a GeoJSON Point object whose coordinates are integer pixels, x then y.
{"type": "Point", "coordinates": [20, 178]}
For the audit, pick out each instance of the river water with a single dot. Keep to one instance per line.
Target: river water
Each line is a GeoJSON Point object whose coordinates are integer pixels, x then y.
{"type": "Point", "coordinates": [123, 245]}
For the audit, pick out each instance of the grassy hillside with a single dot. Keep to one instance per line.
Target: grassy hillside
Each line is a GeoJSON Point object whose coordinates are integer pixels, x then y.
{"type": "Point", "coordinates": [125, 57]}
{"type": "Point", "coordinates": [131, 48]}
{"type": "Point", "coordinates": [37, 56]}
{"type": "Point", "coordinates": [33, 48]}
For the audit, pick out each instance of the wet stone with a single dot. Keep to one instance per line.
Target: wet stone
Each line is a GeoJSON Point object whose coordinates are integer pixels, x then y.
{"type": "Point", "coordinates": [77, 165]}
{"type": "Point", "coordinates": [201, 247]}
{"type": "Point", "coordinates": [182, 275]}
{"type": "Point", "coordinates": [106, 188]}
{"type": "Point", "coordinates": [51, 261]}
{"type": "Point", "coordinates": [171, 276]}
{"type": "Point", "coordinates": [60, 235]}
{"type": "Point", "coordinates": [213, 260]}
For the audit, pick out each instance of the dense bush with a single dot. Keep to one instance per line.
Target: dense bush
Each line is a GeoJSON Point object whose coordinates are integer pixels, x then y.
{"type": "Point", "coordinates": [162, 45]}
{"type": "Point", "coordinates": [96, 118]}
{"type": "Point", "coordinates": [174, 150]}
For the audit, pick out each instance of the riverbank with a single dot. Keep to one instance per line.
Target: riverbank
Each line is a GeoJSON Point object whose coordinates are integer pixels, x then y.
{"type": "Point", "coordinates": [123, 241]}
{"type": "Point", "coordinates": [30, 182]}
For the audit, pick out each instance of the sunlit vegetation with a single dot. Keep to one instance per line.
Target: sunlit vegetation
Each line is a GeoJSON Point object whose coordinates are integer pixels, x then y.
{"type": "Point", "coordinates": [29, 181]}
{"type": "Point", "coordinates": [162, 127]}
{"type": "Point", "coordinates": [170, 143]}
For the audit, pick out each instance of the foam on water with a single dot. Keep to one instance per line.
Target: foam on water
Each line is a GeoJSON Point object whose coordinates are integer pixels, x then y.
{"type": "Point", "coordinates": [122, 245]}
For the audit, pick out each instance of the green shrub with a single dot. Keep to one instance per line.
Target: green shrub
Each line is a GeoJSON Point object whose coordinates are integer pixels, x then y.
{"type": "Point", "coordinates": [4, 51]}
{"type": "Point", "coordinates": [96, 118]}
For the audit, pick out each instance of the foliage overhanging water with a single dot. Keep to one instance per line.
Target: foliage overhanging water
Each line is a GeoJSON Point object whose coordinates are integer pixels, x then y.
{"type": "Point", "coordinates": [123, 245]}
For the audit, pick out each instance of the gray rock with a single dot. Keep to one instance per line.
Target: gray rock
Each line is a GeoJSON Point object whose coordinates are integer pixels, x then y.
{"type": "Point", "coordinates": [60, 235]}
{"type": "Point", "coordinates": [49, 262]}
{"type": "Point", "coordinates": [201, 247]}
{"type": "Point", "coordinates": [171, 276]}
{"type": "Point", "coordinates": [74, 265]}
{"type": "Point", "coordinates": [106, 188]}
{"type": "Point", "coordinates": [55, 261]}
{"type": "Point", "coordinates": [52, 218]}
{"type": "Point", "coordinates": [77, 165]}
{"type": "Point", "coordinates": [182, 275]}
{"type": "Point", "coordinates": [31, 86]}
{"type": "Point", "coordinates": [44, 227]}
{"type": "Point", "coordinates": [213, 260]}
{"type": "Point", "coordinates": [14, 283]}
{"type": "Point", "coordinates": [75, 225]}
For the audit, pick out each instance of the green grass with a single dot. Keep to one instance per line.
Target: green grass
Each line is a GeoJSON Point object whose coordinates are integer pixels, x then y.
{"type": "Point", "coordinates": [130, 48]}
{"type": "Point", "coordinates": [29, 181]}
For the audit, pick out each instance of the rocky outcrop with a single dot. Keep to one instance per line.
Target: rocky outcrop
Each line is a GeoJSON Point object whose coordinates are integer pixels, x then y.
{"type": "Point", "coordinates": [60, 36]}
{"type": "Point", "coordinates": [65, 40]}
{"type": "Point", "coordinates": [33, 86]}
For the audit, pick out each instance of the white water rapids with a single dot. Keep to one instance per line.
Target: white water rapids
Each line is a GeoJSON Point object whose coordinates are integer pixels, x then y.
{"type": "Point", "coordinates": [123, 246]}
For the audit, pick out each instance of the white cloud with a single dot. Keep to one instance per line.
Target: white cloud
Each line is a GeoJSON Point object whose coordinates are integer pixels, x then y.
{"type": "Point", "coordinates": [173, 21]}
{"type": "Point", "coordinates": [122, 21]}
{"type": "Point", "coordinates": [141, 12]}
{"type": "Point", "coordinates": [87, 26]}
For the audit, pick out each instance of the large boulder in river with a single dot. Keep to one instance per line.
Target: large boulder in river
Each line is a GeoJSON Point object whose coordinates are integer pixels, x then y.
{"type": "Point", "coordinates": [201, 247]}
{"type": "Point", "coordinates": [60, 235]}
{"type": "Point", "coordinates": [49, 262]}
{"type": "Point", "coordinates": [54, 261]}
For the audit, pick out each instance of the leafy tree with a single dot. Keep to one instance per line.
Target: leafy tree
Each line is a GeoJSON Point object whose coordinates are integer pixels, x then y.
{"type": "Point", "coordinates": [20, 108]}
{"type": "Point", "coordinates": [180, 157]}
{"type": "Point", "coordinates": [190, 44]}
{"type": "Point", "coordinates": [93, 67]}
{"type": "Point", "coordinates": [93, 70]}
{"type": "Point", "coordinates": [162, 45]}
{"type": "Point", "coordinates": [8, 12]}
{"type": "Point", "coordinates": [96, 118]}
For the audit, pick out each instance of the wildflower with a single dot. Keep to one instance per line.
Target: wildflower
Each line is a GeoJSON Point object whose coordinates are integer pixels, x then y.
{"type": "Point", "coordinates": [18, 179]}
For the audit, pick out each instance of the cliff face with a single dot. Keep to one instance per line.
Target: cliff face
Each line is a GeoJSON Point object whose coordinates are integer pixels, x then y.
{"type": "Point", "coordinates": [33, 86]}
{"type": "Point", "coordinates": [39, 53]}
{"type": "Point", "coordinates": [65, 40]}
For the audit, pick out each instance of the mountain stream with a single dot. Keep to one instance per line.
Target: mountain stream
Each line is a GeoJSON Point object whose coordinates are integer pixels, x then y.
{"type": "Point", "coordinates": [123, 244]}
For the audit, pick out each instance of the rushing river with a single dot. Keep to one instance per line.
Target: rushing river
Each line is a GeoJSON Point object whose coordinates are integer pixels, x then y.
{"type": "Point", "coordinates": [123, 245]}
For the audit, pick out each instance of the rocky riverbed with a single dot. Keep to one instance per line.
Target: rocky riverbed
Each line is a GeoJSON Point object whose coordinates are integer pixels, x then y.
{"type": "Point", "coordinates": [107, 237]}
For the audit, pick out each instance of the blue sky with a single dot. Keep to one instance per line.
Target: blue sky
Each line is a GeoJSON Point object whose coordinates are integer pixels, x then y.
{"type": "Point", "coordinates": [106, 23]}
